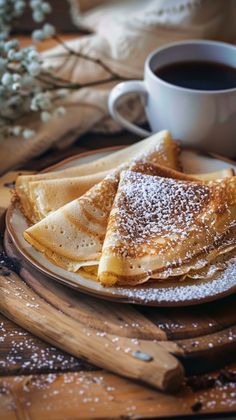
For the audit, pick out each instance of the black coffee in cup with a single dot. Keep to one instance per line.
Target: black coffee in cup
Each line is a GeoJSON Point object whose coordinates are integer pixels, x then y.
{"type": "Point", "coordinates": [199, 75]}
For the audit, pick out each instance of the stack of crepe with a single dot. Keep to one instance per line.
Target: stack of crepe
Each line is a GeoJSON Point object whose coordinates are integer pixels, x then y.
{"type": "Point", "coordinates": [132, 216]}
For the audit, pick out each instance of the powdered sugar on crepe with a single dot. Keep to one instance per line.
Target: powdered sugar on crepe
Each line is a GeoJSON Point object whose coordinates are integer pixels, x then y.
{"type": "Point", "coordinates": [149, 206]}
{"type": "Point", "coordinates": [184, 291]}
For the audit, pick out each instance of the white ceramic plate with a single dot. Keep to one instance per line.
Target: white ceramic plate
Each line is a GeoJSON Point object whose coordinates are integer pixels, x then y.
{"type": "Point", "coordinates": [153, 293]}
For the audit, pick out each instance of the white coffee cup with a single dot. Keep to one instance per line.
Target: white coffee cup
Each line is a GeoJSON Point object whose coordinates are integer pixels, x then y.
{"type": "Point", "coordinates": [204, 119]}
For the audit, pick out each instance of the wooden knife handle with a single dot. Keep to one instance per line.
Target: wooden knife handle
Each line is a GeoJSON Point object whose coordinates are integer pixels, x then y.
{"type": "Point", "coordinates": [143, 360]}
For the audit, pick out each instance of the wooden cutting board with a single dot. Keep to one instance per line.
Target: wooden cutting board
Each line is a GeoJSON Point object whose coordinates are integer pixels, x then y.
{"type": "Point", "coordinates": [203, 337]}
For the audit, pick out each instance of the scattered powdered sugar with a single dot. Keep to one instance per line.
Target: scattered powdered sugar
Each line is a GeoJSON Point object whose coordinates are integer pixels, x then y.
{"type": "Point", "coordinates": [223, 282]}
{"type": "Point", "coordinates": [27, 354]}
{"type": "Point", "coordinates": [219, 264]}
{"type": "Point", "coordinates": [70, 392]}
{"type": "Point", "coordinates": [87, 395]}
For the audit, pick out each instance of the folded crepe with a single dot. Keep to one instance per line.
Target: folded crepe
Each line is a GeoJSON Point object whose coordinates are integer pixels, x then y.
{"type": "Point", "coordinates": [73, 235]}
{"type": "Point", "coordinates": [217, 265]}
{"type": "Point", "coordinates": [168, 154]}
{"type": "Point", "coordinates": [162, 227]}
{"type": "Point", "coordinates": [49, 195]}
{"type": "Point", "coordinates": [46, 196]}
{"type": "Point", "coordinates": [199, 272]}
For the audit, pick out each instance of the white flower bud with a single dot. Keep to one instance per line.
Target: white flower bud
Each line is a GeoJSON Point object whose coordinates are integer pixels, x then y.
{"type": "Point", "coordinates": [16, 131]}
{"type": "Point", "coordinates": [7, 79]}
{"type": "Point", "coordinates": [60, 111]}
{"type": "Point", "coordinates": [45, 116]}
{"type": "Point", "coordinates": [16, 86]}
{"type": "Point", "coordinates": [27, 133]}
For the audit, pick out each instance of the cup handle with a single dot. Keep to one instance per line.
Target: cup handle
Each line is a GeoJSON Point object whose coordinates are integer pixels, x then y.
{"type": "Point", "coordinates": [124, 88]}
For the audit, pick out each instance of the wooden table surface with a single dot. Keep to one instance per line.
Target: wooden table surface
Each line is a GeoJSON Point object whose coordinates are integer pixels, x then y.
{"type": "Point", "coordinates": [40, 382]}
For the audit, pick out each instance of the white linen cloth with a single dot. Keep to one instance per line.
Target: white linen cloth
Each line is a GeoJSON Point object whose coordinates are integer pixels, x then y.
{"type": "Point", "coordinates": [124, 34]}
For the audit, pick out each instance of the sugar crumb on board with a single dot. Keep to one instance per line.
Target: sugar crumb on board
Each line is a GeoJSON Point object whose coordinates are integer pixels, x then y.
{"type": "Point", "coordinates": [26, 354]}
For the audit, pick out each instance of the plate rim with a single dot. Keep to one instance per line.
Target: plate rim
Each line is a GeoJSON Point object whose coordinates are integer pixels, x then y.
{"type": "Point", "coordinates": [95, 292]}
